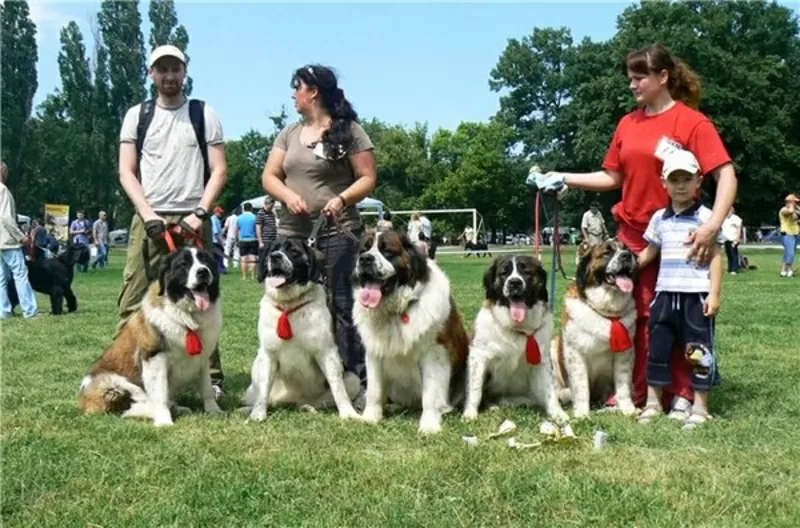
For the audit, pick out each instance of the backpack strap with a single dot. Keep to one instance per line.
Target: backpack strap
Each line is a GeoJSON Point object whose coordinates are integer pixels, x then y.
{"type": "Point", "coordinates": [198, 117]}
{"type": "Point", "coordinates": [145, 118]}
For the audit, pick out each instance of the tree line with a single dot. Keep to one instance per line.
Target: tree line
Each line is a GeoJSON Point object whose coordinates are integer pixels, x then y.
{"type": "Point", "coordinates": [559, 103]}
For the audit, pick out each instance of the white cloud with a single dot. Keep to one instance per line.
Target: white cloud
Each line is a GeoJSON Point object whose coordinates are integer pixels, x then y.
{"type": "Point", "coordinates": [47, 17]}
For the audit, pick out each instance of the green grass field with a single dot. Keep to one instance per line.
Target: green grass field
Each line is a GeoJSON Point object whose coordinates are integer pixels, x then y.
{"type": "Point", "coordinates": [63, 469]}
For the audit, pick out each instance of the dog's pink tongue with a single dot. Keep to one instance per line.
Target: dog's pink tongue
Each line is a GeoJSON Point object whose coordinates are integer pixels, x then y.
{"type": "Point", "coordinates": [518, 311]}
{"type": "Point", "coordinates": [625, 284]}
{"type": "Point", "coordinates": [201, 300]}
{"type": "Point", "coordinates": [371, 295]}
{"type": "Point", "coordinates": [275, 281]}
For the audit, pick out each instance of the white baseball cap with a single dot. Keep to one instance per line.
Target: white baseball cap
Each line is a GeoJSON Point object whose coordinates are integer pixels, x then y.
{"type": "Point", "coordinates": [680, 160]}
{"type": "Point", "coordinates": [166, 51]}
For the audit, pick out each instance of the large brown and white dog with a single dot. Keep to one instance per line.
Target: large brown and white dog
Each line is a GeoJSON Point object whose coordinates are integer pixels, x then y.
{"type": "Point", "coordinates": [298, 362]}
{"type": "Point", "coordinates": [512, 329]}
{"type": "Point", "coordinates": [594, 353]}
{"type": "Point", "coordinates": [415, 342]}
{"type": "Point", "coordinates": [164, 347]}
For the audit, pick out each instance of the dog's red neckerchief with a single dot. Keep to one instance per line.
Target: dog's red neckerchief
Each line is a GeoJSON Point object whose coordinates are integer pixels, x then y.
{"type": "Point", "coordinates": [533, 354]}
{"type": "Point", "coordinates": [620, 338]}
{"type": "Point", "coordinates": [194, 345]}
{"type": "Point", "coordinates": [284, 328]}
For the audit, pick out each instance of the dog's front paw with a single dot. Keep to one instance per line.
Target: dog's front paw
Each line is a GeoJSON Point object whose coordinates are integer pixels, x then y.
{"type": "Point", "coordinates": [348, 413]}
{"type": "Point", "coordinates": [257, 415]}
{"type": "Point", "coordinates": [372, 415]}
{"type": "Point", "coordinates": [211, 407]}
{"type": "Point", "coordinates": [162, 418]}
{"type": "Point", "coordinates": [580, 414]}
{"type": "Point", "coordinates": [470, 414]}
{"type": "Point", "coordinates": [560, 417]}
{"type": "Point", "coordinates": [627, 408]}
{"type": "Point", "coordinates": [430, 425]}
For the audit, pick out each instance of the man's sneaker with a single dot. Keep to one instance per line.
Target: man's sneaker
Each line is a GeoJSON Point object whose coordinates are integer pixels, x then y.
{"type": "Point", "coordinates": [219, 394]}
{"type": "Point", "coordinates": [783, 274]}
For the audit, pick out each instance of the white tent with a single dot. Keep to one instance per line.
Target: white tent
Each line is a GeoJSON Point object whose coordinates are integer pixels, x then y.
{"type": "Point", "coordinates": [366, 203]}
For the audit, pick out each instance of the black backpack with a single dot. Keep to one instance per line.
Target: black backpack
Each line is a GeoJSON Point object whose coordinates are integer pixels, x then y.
{"type": "Point", "coordinates": [196, 115]}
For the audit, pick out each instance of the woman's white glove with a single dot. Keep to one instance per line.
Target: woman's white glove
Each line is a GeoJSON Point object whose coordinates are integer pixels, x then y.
{"type": "Point", "coordinates": [551, 182]}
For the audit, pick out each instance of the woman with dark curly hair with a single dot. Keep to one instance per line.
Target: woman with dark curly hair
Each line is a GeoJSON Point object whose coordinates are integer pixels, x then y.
{"type": "Point", "coordinates": [325, 164]}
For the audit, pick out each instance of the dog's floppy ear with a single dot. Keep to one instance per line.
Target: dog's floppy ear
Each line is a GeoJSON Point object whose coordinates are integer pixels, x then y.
{"type": "Point", "coordinates": [582, 270]}
{"type": "Point", "coordinates": [317, 271]}
{"type": "Point", "coordinates": [166, 264]}
{"type": "Point", "coordinates": [419, 261]}
{"type": "Point", "coordinates": [488, 281]}
{"type": "Point", "coordinates": [261, 263]}
{"type": "Point", "coordinates": [541, 278]}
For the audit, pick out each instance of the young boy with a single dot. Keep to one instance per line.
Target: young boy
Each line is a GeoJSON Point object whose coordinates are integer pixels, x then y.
{"type": "Point", "coordinates": [687, 296]}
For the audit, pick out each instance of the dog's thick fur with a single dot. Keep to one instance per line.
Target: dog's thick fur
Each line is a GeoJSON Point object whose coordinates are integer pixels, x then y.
{"type": "Point", "coordinates": [515, 307]}
{"type": "Point", "coordinates": [305, 370]}
{"type": "Point", "coordinates": [583, 364]}
{"type": "Point", "coordinates": [148, 363]}
{"type": "Point", "coordinates": [53, 277]}
{"type": "Point", "coordinates": [415, 342]}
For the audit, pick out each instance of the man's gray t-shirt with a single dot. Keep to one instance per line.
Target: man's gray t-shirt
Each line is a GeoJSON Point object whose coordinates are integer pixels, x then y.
{"type": "Point", "coordinates": [171, 163]}
{"type": "Point", "coordinates": [100, 227]}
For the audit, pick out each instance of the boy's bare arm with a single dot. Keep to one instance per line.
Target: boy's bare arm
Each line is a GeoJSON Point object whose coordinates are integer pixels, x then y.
{"type": "Point", "coordinates": [712, 304]}
{"type": "Point", "coordinates": [647, 255]}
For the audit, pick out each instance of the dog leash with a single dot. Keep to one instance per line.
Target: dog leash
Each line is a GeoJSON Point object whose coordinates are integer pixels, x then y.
{"type": "Point", "coordinates": [557, 264]}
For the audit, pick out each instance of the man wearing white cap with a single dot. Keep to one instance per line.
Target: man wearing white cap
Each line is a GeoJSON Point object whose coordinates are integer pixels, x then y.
{"type": "Point", "coordinates": [172, 167]}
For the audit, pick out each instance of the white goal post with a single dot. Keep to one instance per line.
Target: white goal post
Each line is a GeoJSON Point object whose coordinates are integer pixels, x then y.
{"type": "Point", "coordinates": [433, 211]}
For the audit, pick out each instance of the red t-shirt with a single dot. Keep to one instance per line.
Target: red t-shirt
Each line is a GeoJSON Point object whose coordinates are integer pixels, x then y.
{"type": "Point", "coordinates": [632, 152]}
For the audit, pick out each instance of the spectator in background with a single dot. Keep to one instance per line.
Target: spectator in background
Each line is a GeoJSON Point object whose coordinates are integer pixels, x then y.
{"type": "Point", "coordinates": [38, 234]}
{"type": "Point", "coordinates": [468, 235]}
{"type": "Point", "coordinates": [100, 236]}
{"type": "Point", "coordinates": [80, 230]}
{"type": "Point", "coordinates": [248, 240]}
{"type": "Point", "coordinates": [414, 228]}
{"type": "Point", "coordinates": [267, 224]}
{"type": "Point", "coordinates": [593, 226]}
{"type": "Point", "coordinates": [385, 223]}
{"type": "Point", "coordinates": [230, 233]}
{"type": "Point", "coordinates": [789, 217]}
{"type": "Point", "coordinates": [216, 237]}
{"type": "Point", "coordinates": [12, 260]}
{"type": "Point", "coordinates": [732, 233]}
{"type": "Point", "coordinates": [426, 231]}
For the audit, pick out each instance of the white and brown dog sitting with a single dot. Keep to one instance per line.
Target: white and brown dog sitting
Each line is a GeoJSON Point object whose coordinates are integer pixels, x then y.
{"type": "Point", "coordinates": [508, 360]}
{"type": "Point", "coordinates": [164, 347]}
{"type": "Point", "coordinates": [298, 361]}
{"type": "Point", "coordinates": [594, 354]}
{"type": "Point", "coordinates": [415, 341]}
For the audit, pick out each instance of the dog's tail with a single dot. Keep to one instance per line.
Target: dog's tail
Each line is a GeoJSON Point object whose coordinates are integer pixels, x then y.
{"type": "Point", "coordinates": [107, 393]}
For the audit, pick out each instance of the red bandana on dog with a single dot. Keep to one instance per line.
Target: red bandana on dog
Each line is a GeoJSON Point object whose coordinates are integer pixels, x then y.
{"type": "Point", "coordinates": [620, 339]}
{"type": "Point", "coordinates": [532, 353]}
{"type": "Point", "coordinates": [194, 345]}
{"type": "Point", "coordinates": [284, 325]}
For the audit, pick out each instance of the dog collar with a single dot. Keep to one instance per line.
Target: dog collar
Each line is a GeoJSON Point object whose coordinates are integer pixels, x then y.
{"type": "Point", "coordinates": [284, 328]}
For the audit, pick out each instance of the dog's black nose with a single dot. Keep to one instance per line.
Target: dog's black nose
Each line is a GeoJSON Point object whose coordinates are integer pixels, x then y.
{"type": "Point", "coordinates": [515, 283]}
{"type": "Point", "coordinates": [366, 259]}
{"type": "Point", "coordinates": [204, 275]}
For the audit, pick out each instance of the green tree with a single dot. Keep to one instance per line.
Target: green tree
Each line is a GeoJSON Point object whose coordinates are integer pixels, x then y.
{"type": "Point", "coordinates": [164, 29]}
{"type": "Point", "coordinates": [120, 25]}
{"type": "Point", "coordinates": [19, 85]}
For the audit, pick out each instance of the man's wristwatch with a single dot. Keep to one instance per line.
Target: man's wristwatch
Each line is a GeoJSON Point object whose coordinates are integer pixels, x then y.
{"type": "Point", "coordinates": [200, 213]}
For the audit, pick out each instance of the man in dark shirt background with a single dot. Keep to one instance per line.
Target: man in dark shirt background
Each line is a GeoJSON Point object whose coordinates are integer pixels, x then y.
{"type": "Point", "coordinates": [266, 224]}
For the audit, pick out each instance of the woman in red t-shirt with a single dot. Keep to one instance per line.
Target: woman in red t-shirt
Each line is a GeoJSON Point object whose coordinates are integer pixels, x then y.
{"type": "Point", "coordinates": [668, 93]}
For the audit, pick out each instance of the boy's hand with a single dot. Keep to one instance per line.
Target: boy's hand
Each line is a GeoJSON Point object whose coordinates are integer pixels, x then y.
{"type": "Point", "coordinates": [711, 306]}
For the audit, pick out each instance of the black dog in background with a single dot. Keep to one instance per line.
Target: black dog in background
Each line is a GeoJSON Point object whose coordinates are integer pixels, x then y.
{"type": "Point", "coordinates": [53, 277]}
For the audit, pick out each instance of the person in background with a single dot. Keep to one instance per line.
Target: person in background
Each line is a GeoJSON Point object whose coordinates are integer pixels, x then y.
{"type": "Point", "coordinates": [12, 259]}
{"type": "Point", "coordinates": [593, 225]}
{"type": "Point", "coordinates": [216, 238]}
{"type": "Point", "coordinates": [100, 237]}
{"type": "Point", "coordinates": [38, 248]}
{"type": "Point", "coordinates": [80, 230]}
{"type": "Point", "coordinates": [230, 234]}
{"type": "Point", "coordinates": [426, 231]}
{"type": "Point", "coordinates": [267, 225]}
{"type": "Point", "coordinates": [468, 235]}
{"type": "Point", "coordinates": [248, 240]}
{"type": "Point", "coordinates": [414, 228]}
{"type": "Point", "coordinates": [789, 218]}
{"type": "Point", "coordinates": [668, 92]}
{"type": "Point", "coordinates": [385, 222]}
{"type": "Point", "coordinates": [732, 233]}
{"type": "Point", "coordinates": [325, 165]}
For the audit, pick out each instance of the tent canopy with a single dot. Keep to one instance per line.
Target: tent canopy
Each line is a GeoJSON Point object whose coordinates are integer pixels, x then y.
{"type": "Point", "coordinates": [366, 203]}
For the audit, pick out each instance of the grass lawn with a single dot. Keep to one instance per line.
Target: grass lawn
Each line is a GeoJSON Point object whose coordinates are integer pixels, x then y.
{"type": "Point", "coordinates": [63, 469]}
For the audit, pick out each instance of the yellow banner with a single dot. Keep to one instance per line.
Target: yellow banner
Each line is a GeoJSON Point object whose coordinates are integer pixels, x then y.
{"type": "Point", "coordinates": [56, 218]}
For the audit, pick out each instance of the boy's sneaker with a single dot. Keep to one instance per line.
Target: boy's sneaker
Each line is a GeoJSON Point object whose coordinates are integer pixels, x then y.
{"type": "Point", "coordinates": [783, 274]}
{"type": "Point", "coordinates": [219, 394]}
{"type": "Point", "coordinates": [681, 409]}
